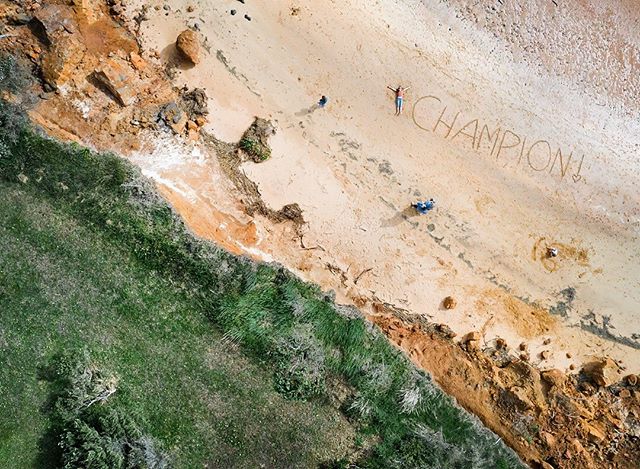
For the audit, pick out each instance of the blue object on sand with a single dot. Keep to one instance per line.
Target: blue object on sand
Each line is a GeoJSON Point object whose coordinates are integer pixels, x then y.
{"type": "Point", "coordinates": [424, 207]}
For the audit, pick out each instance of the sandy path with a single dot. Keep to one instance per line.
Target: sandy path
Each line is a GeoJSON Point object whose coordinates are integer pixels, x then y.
{"type": "Point", "coordinates": [354, 167]}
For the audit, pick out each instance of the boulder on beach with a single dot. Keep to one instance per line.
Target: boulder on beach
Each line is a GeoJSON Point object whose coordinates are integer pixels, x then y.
{"type": "Point", "coordinates": [188, 45]}
{"type": "Point", "coordinates": [602, 372]}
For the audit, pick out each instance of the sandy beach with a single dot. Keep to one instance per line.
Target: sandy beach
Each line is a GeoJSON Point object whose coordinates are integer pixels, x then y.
{"type": "Point", "coordinates": [518, 151]}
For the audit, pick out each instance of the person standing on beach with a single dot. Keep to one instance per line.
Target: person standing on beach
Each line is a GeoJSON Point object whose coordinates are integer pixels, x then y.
{"type": "Point", "coordinates": [399, 91]}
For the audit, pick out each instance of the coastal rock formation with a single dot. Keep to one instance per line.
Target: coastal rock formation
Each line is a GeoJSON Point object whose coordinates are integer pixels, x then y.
{"type": "Point", "coordinates": [118, 78]}
{"type": "Point", "coordinates": [546, 416]}
{"type": "Point", "coordinates": [61, 60]}
{"type": "Point", "coordinates": [53, 21]}
{"type": "Point", "coordinates": [602, 372]}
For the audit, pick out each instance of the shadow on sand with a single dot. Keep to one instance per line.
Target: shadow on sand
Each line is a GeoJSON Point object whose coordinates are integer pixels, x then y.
{"type": "Point", "coordinates": [170, 56]}
{"type": "Point", "coordinates": [405, 215]}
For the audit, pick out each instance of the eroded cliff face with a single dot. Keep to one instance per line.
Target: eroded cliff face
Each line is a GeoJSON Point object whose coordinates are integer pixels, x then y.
{"type": "Point", "coordinates": [549, 418]}
{"type": "Point", "coordinates": [505, 358]}
{"type": "Point", "coordinates": [96, 88]}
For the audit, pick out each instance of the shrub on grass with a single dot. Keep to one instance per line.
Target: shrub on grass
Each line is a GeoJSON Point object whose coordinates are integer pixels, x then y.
{"type": "Point", "coordinates": [425, 448]}
{"type": "Point", "coordinates": [13, 76]}
{"type": "Point", "coordinates": [416, 393]}
{"type": "Point", "coordinates": [359, 408]}
{"type": "Point", "coordinates": [92, 432]}
{"type": "Point", "coordinates": [300, 368]}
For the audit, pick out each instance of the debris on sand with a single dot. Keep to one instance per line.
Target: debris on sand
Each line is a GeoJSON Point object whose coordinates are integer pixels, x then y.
{"type": "Point", "coordinates": [449, 302]}
{"type": "Point", "coordinates": [137, 61]}
{"type": "Point", "coordinates": [188, 45]}
{"type": "Point", "coordinates": [554, 377]}
{"type": "Point", "coordinates": [254, 142]}
{"type": "Point", "coordinates": [291, 212]}
{"type": "Point", "coordinates": [471, 336]}
{"type": "Point", "coordinates": [253, 146]}
{"type": "Point", "coordinates": [471, 341]}
{"type": "Point", "coordinates": [173, 117]}
{"type": "Point", "coordinates": [445, 330]}
{"type": "Point", "coordinates": [194, 103]}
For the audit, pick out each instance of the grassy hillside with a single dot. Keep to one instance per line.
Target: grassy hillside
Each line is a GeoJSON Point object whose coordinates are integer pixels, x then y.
{"type": "Point", "coordinates": [222, 361]}
{"type": "Point", "coordinates": [64, 286]}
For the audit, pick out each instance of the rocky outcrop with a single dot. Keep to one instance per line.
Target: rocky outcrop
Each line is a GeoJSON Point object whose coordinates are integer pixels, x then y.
{"type": "Point", "coordinates": [117, 77]}
{"type": "Point", "coordinates": [62, 59]}
{"type": "Point", "coordinates": [53, 21]}
{"type": "Point", "coordinates": [56, 27]}
{"type": "Point", "coordinates": [602, 372]}
{"type": "Point", "coordinates": [549, 417]}
{"type": "Point", "coordinates": [554, 377]}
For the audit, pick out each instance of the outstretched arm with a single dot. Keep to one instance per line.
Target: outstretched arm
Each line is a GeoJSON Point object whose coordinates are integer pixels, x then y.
{"type": "Point", "coordinates": [392, 89]}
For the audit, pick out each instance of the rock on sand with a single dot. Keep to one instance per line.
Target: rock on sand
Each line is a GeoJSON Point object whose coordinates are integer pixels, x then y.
{"type": "Point", "coordinates": [188, 45]}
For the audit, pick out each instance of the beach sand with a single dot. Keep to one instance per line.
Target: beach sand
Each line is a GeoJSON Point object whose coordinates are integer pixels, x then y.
{"type": "Point", "coordinates": [561, 170]}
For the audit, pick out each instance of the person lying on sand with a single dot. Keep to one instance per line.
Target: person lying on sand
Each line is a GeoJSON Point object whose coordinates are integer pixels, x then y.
{"type": "Point", "coordinates": [399, 91]}
{"type": "Point", "coordinates": [424, 207]}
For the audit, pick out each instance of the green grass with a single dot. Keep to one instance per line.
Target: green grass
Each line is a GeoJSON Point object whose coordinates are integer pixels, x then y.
{"type": "Point", "coordinates": [225, 361]}
{"type": "Point", "coordinates": [255, 149]}
{"type": "Point", "coordinates": [65, 287]}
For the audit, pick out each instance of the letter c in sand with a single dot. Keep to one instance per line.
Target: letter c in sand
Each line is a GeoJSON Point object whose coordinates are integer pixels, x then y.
{"type": "Point", "coordinates": [413, 114]}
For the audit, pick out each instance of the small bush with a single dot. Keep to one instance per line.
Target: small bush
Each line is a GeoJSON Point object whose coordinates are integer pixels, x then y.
{"type": "Point", "coordinates": [359, 408]}
{"type": "Point", "coordinates": [300, 368]}
{"type": "Point", "coordinates": [255, 149]}
{"type": "Point", "coordinates": [91, 432]}
{"type": "Point", "coordinates": [417, 392]}
{"type": "Point", "coordinates": [13, 76]}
